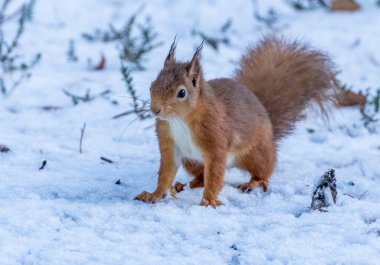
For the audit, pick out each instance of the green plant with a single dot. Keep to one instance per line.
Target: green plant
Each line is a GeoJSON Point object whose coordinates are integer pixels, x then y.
{"type": "Point", "coordinates": [134, 40]}
{"type": "Point", "coordinates": [71, 53]}
{"type": "Point", "coordinates": [87, 97]}
{"type": "Point", "coordinates": [140, 107]}
{"type": "Point", "coordinates": [269, 19]}
{"type": "Point", "coordinates": [307, 4]}
{"type": "Point", "coordinates": [13, 68]}
{"type": "Point", "coordinates": [220, 37]}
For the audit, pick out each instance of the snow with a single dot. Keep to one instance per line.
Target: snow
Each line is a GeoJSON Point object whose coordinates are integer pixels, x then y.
{"type": "Point", "coordinates": [71, 212]}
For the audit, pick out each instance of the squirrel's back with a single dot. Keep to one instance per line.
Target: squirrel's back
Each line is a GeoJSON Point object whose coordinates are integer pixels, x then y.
{"type": "Point", "coordinates": [286, 76]}
{"type": "Point", "coordinates": [244, 111]}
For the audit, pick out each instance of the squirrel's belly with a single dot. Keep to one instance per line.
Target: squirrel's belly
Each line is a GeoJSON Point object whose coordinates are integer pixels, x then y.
{"type": "Point", "coordinates": [185, 146]}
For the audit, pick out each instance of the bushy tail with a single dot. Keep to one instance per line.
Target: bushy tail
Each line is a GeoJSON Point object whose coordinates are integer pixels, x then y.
{"type": "Point", "coordinates": [286, 76]}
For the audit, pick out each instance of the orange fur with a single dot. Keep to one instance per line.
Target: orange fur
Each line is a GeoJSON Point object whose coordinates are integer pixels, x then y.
{"type": "Point", "coordinates": [196, 169]}
{"type": "Point", "coordinates": [202, 124]}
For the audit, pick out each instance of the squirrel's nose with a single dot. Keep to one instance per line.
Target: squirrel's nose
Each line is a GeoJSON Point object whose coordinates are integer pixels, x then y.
{"type": "Point", "coordinates": [156, 111]}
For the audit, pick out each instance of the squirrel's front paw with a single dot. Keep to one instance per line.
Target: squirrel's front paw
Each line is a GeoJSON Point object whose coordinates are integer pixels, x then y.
{"type": "Point", "coordinates": [212, 203]}
{"type": "Point", "coordinates": [148, 197]}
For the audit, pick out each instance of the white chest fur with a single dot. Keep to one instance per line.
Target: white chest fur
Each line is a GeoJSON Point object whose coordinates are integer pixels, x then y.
{"type": "Point", "coordinates": [184, 144]}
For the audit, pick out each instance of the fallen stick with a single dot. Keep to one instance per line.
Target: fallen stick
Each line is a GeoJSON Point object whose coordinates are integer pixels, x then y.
{"type": "Point", "coordinates": [128, 112]}
{"type": "Point", "coordinates": [43, 165]}
{"type": "Point", "coordinates": [81, 138]}
{"type": "Point", "coordinates": [106, 160]}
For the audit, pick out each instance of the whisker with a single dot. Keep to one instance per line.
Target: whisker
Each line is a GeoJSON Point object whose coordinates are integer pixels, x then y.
{"type": "Point", "coordinates": [126, 128]}
{"type": "Point", "coordinates": [178, 119]}
{"type": "Point", "coordinates": [141, 79]}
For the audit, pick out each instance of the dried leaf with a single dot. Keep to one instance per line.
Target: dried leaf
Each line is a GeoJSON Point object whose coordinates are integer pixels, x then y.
{"type": "Point", "coordinates": [344, 5]}
{"type": "Point", "coordinates": [350, 98]}
{"type": "Point", "coordinates": [101, 64]}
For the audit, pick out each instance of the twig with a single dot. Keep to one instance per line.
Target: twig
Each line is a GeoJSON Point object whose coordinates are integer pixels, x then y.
{"type": "Point", "coordinates": [367, 118]}
{"type": "Point", "coordinates": [43, 165]}
{"type": "Point", "coordinates": [373, 60]}
{"type": "Point", "coordinates": [106, 160]}
{"type": "Point", "coordinates": [125, 113]}
{"type": "Point", "coordinates": [10, 59]}
{"type": "Point", "coordinates": [359, 198]}
{"type": "Point", "coordinates": [323, 3]}
{"type": "Point", "coordinates": [363, 194]}
{"type": "Point", "coordinates": [76, 99]}
{"type": "Point", "coordinates": [349, 195]}
{"type": "Point", "coordinates": [81, 138]}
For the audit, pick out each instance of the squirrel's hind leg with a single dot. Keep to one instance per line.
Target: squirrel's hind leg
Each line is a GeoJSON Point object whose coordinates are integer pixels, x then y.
{"type": "Point", "coordinates": [259, 161]}
{"type": "Point", "coordinates": [252, 184]}
{"type": "Point", "coordinates": [196, 170]}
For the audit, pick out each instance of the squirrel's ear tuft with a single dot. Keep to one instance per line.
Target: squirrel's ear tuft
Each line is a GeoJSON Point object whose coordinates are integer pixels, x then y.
{"type": "Point", "coordinates": [170, 58]}
{"type": "Point", "coordinates": [194, 69]}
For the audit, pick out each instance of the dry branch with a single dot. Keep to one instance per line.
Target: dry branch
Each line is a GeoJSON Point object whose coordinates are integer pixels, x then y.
{"type": "Point", "coordinates": [81, 138]}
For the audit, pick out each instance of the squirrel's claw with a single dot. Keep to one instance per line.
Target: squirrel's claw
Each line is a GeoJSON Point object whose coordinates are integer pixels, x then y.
{"type": "Point", "coordinates": [178, 186]}
{"type": "Point", "coordinates": [148, 197]}
{"type": "Point", "coordinates": [246, 187]}
{"type": "Point", "coordinates": [212, 203]}
{"type": "Point", "coordinates": [250, 186]}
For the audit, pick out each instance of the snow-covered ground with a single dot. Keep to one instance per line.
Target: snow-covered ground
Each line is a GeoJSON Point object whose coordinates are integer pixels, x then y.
{"type": "Point", "coordinates": [71, 212]}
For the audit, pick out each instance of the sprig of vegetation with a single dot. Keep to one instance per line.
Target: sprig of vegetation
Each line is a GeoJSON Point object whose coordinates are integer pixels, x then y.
{"type": "Point", "coordinates": [370, 111]}
{"type": "Point", "coordinates": [307, 4]}
{"type": "Point", "coordinates": [134, 40]}
{"type": "Point", "coordinates": [368, 103]}
{"type": "Point", "coordinates": [269, 19]}
{"type": "Point", "coordinates": [71, 52]}
{"type": "Point", "coordinates": [139, 106]}
{"type": "Point", "coordinates": [87, 97]}
{"type": "Point", "coordinates": [11, 62]}
{"type": "Point", "coordinates": [221, 37]}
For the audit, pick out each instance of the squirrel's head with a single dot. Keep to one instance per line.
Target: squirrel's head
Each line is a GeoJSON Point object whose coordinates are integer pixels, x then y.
{"type": "Point", "coordinates": [176, 90]}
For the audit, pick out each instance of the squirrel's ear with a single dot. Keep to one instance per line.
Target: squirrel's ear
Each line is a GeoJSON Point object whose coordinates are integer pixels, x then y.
{"type": "Point", "coordinates": [170, 58]}
{"type": "Point", "coordinates": [194, 69]}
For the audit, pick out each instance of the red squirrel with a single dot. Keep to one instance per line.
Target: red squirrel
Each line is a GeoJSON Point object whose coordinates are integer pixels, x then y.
{"type": "Point", "coordinates": [208, 126]}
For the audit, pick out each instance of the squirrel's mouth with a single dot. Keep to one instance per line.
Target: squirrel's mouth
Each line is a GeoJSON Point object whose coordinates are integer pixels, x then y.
{"type": "Point", "coordinates": [163, 115]}
{"type": "Point", "coordinates": [160, 117]}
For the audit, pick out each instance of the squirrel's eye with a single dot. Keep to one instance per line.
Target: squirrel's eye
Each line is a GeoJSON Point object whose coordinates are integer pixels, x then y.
{"type": "Point", "coordinates": [181, 93]}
